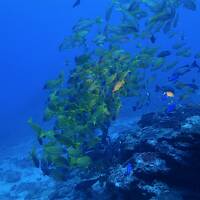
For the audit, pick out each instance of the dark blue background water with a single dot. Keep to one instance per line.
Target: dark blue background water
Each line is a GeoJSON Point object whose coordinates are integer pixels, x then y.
{"type": "Point", "coordinates": [30, 34]}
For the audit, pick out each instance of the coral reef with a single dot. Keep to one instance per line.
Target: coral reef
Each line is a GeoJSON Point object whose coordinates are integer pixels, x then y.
{"type": "Point", "coordinates": [150, 162]}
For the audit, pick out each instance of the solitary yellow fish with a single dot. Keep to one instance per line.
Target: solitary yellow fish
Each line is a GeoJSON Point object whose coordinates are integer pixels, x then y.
{"type": "Point", "coordinates": [118, 85]}
{"type": "Point", "coordinates": [169, 94]}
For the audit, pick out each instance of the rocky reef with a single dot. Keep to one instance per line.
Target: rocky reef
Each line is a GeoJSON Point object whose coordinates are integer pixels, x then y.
{"type": "Point", "coordinates": [157, 159]}
{"type": "Point", "coordinates": [163, 152]}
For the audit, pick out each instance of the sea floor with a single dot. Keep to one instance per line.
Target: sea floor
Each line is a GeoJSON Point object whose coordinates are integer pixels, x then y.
{"type": "Point", "coordinates": [20, 180]}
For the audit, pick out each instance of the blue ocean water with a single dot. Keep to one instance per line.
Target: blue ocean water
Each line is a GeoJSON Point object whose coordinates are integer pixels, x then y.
{"type": "Point", "coordinates": [31, 32]}
{"type": "Point", "coordinates": [30, 36]}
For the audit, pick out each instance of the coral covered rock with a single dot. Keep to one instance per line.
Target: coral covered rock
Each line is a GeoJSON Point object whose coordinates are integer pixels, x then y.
{"type": "Point", "coordinates": [191, 125]}
{"type": "Point", "coordinates": [119, 178]}
{"type": "Point", "coordinates": [149, 162]}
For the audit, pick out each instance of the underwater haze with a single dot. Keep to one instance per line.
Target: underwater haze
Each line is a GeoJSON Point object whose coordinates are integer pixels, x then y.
{"type": "Point", "coordinates": [31, 33]}
{"type": "Point", "coordinates": [100, 99]}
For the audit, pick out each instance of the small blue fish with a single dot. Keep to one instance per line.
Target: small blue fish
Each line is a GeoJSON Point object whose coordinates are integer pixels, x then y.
{"type": "Point", "coordinates": [171, 107]}
{"type": "Point", "coordinates": [129, 168]}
